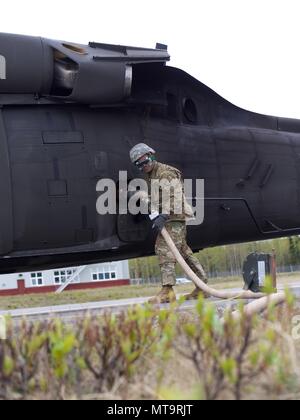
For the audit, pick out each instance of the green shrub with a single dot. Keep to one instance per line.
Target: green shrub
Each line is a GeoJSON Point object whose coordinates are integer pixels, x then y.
{"type": "Point", "coordinates": [227, 358]}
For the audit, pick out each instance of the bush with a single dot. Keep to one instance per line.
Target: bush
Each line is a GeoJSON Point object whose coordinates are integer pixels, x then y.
{"type": "Point", "coordinates": [99, 356]}
{"type": "Point", "coordinates": [230, 355]}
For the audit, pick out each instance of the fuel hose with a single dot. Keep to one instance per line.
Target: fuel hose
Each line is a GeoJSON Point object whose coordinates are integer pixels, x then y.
{"type": "Point", "coordinates": [262, 300]}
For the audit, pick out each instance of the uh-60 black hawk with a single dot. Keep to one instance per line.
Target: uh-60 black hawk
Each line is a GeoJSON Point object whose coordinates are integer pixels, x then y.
{"type": "Point", "coordinates": [69, 114]}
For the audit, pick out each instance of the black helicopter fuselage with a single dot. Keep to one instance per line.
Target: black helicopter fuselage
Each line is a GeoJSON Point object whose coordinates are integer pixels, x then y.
{"type": "Point", "coordinates": [54, 152]}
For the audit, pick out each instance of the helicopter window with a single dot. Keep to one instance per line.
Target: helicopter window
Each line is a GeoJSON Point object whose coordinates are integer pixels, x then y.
{"type": "Point", "coordinates": [190, 111]}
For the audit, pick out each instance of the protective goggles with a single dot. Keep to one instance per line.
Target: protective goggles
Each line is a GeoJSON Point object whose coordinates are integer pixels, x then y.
{"type": "Point", "coordinates": [140, 165]}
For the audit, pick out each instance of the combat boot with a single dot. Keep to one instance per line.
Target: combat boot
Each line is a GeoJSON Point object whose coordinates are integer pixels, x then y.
{"type": "Point", "coordinates": [166, 295]}
{"type": "Point", "coordinates": [196, 294]}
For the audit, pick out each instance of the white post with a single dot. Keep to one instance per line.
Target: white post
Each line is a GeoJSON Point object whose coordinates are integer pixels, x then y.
{"type": "Point", "coordinates": [2, 68]}
{"type": "Point", "coordinates": [2, 328]}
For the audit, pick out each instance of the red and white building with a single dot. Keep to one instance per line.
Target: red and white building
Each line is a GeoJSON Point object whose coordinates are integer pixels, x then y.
{"type": "Point", "coordinates": [74, 278]}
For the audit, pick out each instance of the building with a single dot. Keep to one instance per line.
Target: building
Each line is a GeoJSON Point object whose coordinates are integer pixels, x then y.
{"type": "Point", "coordinates": [85, 277]}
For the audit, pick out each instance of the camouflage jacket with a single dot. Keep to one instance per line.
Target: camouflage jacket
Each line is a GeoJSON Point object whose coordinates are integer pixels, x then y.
{"type": "Point", "coordinates": [166, 193]}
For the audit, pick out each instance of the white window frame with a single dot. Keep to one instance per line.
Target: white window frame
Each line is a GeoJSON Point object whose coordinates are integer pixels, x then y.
{"type": "Point", "coordinates": [36, 277]}
{"type": "Point", "coordinates": [104, 273]}
{"type": "Point", "coordinates": [64, 273]}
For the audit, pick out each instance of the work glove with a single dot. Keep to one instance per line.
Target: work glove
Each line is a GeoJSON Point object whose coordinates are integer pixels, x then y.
{"type": "Point", "coordinates": [160, 222]}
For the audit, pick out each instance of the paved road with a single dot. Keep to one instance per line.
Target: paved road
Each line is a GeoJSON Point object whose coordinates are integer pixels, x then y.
{"type": "Point", "coordinates": [73, 311]}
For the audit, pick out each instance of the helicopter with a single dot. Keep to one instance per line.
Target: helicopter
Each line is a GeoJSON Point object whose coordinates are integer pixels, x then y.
{"type": "Point", "coordinates": [69, 115]}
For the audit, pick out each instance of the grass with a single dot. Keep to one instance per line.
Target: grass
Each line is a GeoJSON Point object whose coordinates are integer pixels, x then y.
{"type": "Point", "coordinates": [115, 293]}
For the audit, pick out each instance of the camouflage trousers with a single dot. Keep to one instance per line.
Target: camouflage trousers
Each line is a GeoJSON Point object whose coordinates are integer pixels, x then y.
{"type": "Point", "coordinates": [167, 261]}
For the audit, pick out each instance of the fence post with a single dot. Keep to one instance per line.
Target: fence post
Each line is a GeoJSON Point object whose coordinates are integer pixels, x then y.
{"type": "Point", "coordinates": [274, 269]}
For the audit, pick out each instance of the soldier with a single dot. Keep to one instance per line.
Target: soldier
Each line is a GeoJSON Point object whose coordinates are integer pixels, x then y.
{"type": "Point", "coordinates": [174, 220]}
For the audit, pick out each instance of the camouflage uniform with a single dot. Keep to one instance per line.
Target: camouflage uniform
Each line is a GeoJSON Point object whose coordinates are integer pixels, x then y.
{"type": "Point", "coordinates": [176, 225]}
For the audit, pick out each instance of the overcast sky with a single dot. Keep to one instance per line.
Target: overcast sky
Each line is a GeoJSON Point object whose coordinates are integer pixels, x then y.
{"type": "Point", "coordinates": [246, 50]}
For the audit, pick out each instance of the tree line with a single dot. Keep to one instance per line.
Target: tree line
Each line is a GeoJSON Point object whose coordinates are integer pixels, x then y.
{"type": "Point", "coordinates": [225, 259]}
